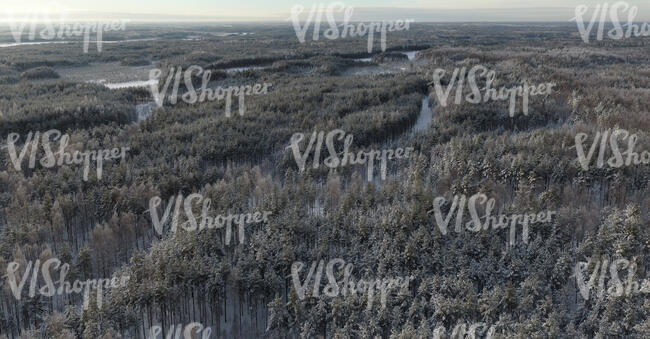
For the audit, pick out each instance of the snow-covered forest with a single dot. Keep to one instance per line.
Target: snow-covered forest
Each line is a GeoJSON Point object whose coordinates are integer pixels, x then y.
{"type": "Point", "coordinates": [386, 228]}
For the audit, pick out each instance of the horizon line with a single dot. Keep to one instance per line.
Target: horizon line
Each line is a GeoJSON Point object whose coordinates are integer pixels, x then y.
{"type": "Point", "coordinates": [362, 14]}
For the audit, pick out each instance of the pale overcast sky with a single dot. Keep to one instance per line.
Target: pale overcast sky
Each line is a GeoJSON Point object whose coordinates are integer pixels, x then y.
{"type": "Point", "coordinates": [278, 10]}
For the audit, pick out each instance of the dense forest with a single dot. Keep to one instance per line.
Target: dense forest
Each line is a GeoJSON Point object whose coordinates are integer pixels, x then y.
{"type": "Point", "coordinates": [102, 227]}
